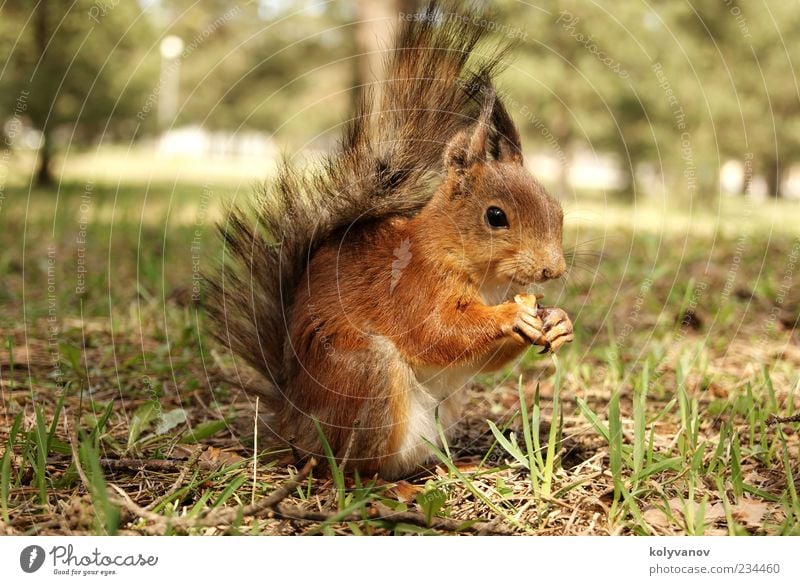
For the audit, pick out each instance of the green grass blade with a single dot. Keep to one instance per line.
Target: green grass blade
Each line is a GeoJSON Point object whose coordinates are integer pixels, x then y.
{"type": "Point", "coordinates": [536, 427]}
{"type": "Point", "coordinates": [508, 446]}
{"type": "Point", "coordinates": [615, 443]}
{"type": "Point", "coordinates": [336, 472]}
{"type": "Point", "coordinates": [203, 431]}
{"type": "Point", "coordinates": [107, 519]}
{"type": "Point", "coordinates": [41, 435]}
{"type": "Point", "coordinates": [528, 428]}
{"type": "Point", "coordinates": [598, 425]}
{"type": "Point", "coordinates": [5, 466]}
{"type": "Point", "coordinates": [549, 467]}
{"type": "Point", "coordinates": [736, 467]}
{"type": "Point", "coordinates": [639, 428]}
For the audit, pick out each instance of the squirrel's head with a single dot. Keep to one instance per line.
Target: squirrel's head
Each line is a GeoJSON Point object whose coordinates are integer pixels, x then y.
{"type": "Point", "coordinates": [505, 229]}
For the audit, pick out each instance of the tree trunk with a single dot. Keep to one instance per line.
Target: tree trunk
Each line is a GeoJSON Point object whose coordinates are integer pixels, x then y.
{"type": "Point", "coordinates": [41, 35]}
{"type": "Point", "coordinates": [773, 173]}
{"type": "Point", "coordinates": [44, 176]}
{"type": "Point", "coordinates": [631, 190]}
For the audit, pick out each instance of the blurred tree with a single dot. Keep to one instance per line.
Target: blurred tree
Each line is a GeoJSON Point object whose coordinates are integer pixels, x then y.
{"type": "Point", "coordinates": [676, 87]}
{"type": "Point", "coordinates": [567, 75]}
{"type": "Point", "coordinates": [275, 66]}
{"type": "Point", "coordinates": [765, 55]}
{"type": "Point", "coordinates": [80, 65]}
{"type": "Point", "coordinates": [747, 98]}
{"type": "Point", "coordinates": [680, 87]}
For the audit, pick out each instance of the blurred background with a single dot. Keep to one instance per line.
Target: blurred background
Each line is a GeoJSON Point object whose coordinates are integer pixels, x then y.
{"type": "Point", "coordinates": [632, 99]}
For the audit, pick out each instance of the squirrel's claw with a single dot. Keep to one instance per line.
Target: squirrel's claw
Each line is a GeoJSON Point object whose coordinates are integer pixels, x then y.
{"type": "Point", "coordinates": [557, 328]}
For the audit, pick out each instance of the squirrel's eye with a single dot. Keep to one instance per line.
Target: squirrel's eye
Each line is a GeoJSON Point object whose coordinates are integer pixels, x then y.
{"type": "Point", "coordinates": [496, 217]}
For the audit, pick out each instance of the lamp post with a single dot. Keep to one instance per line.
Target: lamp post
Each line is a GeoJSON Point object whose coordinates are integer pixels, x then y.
{"type": "Point", "coordinates": [170, 48]}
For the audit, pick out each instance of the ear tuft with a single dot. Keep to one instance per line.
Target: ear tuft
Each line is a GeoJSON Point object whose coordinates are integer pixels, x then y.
{"type": "Point", "coordinates": [464, 151]}
{"type": "Point", "coordinates": [506, 144]}
{"type": "Point", "coordinates": [480, 137]}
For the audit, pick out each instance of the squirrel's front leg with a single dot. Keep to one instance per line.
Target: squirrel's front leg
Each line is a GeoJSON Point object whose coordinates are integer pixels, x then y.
{"type": "Point", "coordinates": [466, 331]}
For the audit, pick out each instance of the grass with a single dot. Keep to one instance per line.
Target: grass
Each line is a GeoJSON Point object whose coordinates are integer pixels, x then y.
{"type": "Point", "coordinates": [116, 415]}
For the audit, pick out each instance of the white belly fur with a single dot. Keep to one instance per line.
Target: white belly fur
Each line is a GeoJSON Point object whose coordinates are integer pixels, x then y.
{"type": "Point", "coordinates": [427, 389]}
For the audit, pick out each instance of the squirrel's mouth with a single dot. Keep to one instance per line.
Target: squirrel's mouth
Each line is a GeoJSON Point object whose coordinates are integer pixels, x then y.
{"type": "Point", "coordinates": [518, 285]}
{"type": "Point", "coordinates": [503, 290]}
{"type": "Point", "coordinates": [516, 281]}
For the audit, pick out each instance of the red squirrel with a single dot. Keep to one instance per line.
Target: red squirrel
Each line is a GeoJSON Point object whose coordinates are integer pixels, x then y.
{"type": "Point", "coordinates": [369, 290]}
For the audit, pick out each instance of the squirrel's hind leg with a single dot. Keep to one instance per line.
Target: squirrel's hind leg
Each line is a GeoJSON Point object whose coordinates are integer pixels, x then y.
{"type": "Point", "coordinates": [370, 406]}
{"type": "Point", "coordinates": [359, 396]}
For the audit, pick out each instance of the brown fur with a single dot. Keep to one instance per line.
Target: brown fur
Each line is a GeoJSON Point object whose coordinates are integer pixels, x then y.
{"type": "Point", "coordinates": [356, 290]}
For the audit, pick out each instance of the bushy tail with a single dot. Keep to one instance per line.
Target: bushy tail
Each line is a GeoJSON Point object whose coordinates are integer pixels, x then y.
{"type": "Point", "coordinates": [383, 166]}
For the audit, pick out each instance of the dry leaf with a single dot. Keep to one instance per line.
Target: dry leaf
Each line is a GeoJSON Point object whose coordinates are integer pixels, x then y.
{"type": "Point", "coordinates": [404, 491]}
{"type": "Point", "coordinates": [750, 513]}
{"type": "Point", "coordinates": [214, 457]}
{"type": "Point", "coordinates": [658, 518]}
{"type": "Point", "coordinates": [467, 465]}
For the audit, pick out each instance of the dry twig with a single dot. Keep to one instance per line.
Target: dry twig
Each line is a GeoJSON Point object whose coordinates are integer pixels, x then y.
{"type": "Point", "coordinates": [190, 463]}
{"type": "Point", "coordinates": [775, 420]}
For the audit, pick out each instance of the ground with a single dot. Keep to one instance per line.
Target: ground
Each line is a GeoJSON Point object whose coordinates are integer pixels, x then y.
{"type": "Point", "coordinates": [665, 415]}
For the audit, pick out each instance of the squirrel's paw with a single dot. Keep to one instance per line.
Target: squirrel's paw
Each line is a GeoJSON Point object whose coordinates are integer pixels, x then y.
{"type": "Point", "coordinates": [557, 328]}
{"type": "Point", "coordinates": [526, 326]}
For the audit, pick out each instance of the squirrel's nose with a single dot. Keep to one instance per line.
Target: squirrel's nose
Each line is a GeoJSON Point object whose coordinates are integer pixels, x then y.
{"type": "Point", "coordinates": [552, 273]}
{"type": "Point", "coordinates": [556, 269]}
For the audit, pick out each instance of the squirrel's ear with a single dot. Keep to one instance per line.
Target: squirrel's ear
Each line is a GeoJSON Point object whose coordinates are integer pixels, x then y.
{"type": "Point", "coordinates": [506, 145]}
{"type": "Point", "coordinates": [480, 136]}
{"type": "Point", "coordinates": [466, 150]}
{"type": "Point", "coordinates": [455, 155]}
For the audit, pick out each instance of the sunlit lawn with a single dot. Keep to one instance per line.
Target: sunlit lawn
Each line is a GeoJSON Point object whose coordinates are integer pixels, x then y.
{"type": "Point", "coordinates": [686, 347]}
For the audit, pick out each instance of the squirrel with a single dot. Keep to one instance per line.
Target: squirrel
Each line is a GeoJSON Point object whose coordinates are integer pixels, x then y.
{"type": "Point", "coordinates": [369, 290]}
